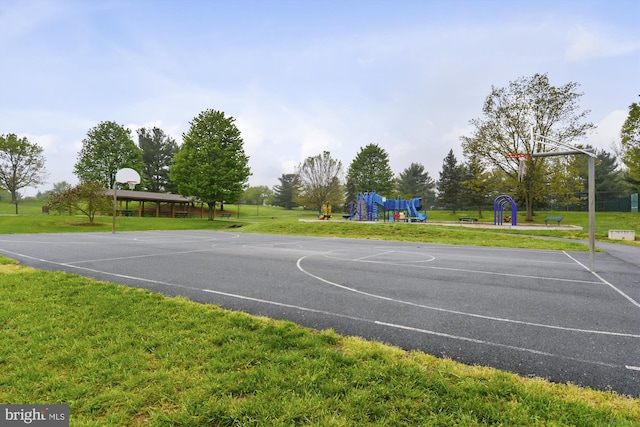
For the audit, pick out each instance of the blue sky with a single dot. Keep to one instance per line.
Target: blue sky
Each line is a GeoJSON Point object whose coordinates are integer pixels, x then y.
{"type": "Point", "coordinates": [301, 77]}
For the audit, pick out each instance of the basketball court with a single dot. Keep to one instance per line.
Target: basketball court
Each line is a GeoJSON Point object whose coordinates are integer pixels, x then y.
{"type": "Point", "coordinates": [538, 313]}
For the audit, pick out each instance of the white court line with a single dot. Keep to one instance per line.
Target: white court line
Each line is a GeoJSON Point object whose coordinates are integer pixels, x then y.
{"type": "Point", "coordinates": [461, 313]}
{"type": "Point", "coordinates": [451, 255]}
{"type": "Point", "coordinates": [328, 313]}
{"type": "Point", "coordinates": [602, 280]}
{"type": "Point", "coordinates": [140, 256]}
{"type": "Point", "coordinates": [460, 270]}
{"type": "Point", "coordinates": [493, 344]}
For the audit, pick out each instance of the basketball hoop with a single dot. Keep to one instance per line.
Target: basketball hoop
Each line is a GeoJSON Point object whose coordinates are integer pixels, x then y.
{"type": "Point", "coordinates": [124, 175]}
{"type": "Point", "coordinates": [128, 176]}
{"type": "Point", "coordinates": [525, 156]}
{"type": "Point", "coordinates": [522, 162]}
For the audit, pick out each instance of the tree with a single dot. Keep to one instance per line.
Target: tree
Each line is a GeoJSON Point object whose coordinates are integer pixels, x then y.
{"type": "Point", "coordinates": [370, 171]}
{"type": "Point", "coordinates": [510, 114]}
{"type": "Point", "coordinates": [630, 146]}
{"type": "Point", "coordinates": [320, 181]}
{"type": "Point", "coordinates": [21, 165]}
{"type": "Point", "coordinates": [287, 192]}
{"type": "Point", "coordinates": [414, 181]}
{"type": "Point", "coordinates": [565, 182]}
{"type": "Point", "coordinates": [87, 197]}
{"type": "Point", "coordinates": [158, 150]}
{"type": "Point", "coordinates": [257, 195]}
{"type": "Point", "coordinates": [475, 183]}
{"type": "Point", "coordinates": [107, 148]}
{"type": "Point", "coordinates": [211, 164]}
{"type": "Point", "coordinates": [450, 183]}
{"type": "Point", "coordinates": [350, 195]}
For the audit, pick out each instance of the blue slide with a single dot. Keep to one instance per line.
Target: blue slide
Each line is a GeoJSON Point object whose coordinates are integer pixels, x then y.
{"type": "Point", "coordinates": [413, 207]}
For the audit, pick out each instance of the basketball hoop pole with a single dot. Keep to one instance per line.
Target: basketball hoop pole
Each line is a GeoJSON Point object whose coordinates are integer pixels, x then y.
{"type": "Point", "coordinates": [124, 175]}
{"type": "Point", "coordinates": [115, 197]}
{"type": "Point", "coordinates": [571, 150]}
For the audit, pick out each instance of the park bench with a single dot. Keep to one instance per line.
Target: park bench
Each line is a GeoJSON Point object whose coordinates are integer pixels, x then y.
{"type": "Point", "coordinates": [468, 219]}
{"type": "Point", "coordinates": [225, 215]}
{"type": "Point", "coordinates": [549, 219]}
{"type": "Point", "coordinates": [181, 214]}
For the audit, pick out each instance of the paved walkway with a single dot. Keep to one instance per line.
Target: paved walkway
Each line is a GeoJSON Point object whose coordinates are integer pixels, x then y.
{"type": "Point", "coordinates": [626, 253]}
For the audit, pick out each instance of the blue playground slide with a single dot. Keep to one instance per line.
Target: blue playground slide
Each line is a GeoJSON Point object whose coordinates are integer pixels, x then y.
{"type": "Point", "coordinates": [414, 206]}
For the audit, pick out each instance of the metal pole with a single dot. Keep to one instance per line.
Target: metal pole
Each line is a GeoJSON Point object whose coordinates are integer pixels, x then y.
{"type": "Point", "coordinates": [592, 212]}
{"type": "Point", "coordinates": [115, 189]}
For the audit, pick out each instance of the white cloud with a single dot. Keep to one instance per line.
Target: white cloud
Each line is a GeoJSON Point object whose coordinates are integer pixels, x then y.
{"type": "Point", "coordinates": [607, 133]}
{"type": "Point", "coordinates": [586, 44]}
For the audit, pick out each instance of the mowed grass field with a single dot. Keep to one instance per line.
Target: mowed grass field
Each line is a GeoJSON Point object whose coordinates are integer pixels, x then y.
{"type": "Point", "coordinates": [121, 356]}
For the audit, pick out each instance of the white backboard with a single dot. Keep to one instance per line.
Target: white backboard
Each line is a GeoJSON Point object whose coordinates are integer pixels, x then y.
{"type": "Point", "coordinates": [127, 175]}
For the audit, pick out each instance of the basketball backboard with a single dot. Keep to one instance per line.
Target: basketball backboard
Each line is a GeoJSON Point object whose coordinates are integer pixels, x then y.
{"type": "Point", "coordinates": [128, 176]}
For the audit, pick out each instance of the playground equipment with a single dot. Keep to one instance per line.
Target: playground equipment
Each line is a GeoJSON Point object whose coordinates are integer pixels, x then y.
{"type": "Point", "coordinates": [326, 212]}
{"type": "Point", "coordinates": [370, 206]}
{"type": "Point", "coordinates": [498, 209]}
{"type": "Point", "coordinates": [405, 210]}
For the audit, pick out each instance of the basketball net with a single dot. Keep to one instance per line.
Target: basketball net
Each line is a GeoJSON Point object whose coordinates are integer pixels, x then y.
{"type": "Point", "coordinates": [131, 184]}
{"type": "Point", "coordinates": [522, 163]}
{"type": "Point", "coordinates": [522, 168]}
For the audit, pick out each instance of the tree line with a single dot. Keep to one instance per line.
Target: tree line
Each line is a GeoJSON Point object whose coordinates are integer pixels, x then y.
{"type": "Point", "coordinates": [211, 166]}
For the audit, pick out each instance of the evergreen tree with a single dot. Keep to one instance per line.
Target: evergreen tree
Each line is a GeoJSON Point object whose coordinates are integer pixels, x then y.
{"type": "Point", "coordinates": [450, 183]}
{"type": "Point", "coordinates": [286, 193]}
{"type": "Point", "coordinates": [630, 146]}
{"type": "Point", "coordinates": [414, 181]}
{"type": "Point", "coordinates": [370, 171]}
{"type": "Point", "coordinates": [609, 179]}
{"type": "Point", "coordinates": [158, 150]}
{"type": "Point", "coordinates": [351, 195]}
{"type": "Point", "coordinates": [475, 184]}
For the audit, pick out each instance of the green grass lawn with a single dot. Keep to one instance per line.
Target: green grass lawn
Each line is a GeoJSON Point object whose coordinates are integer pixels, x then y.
{"type": "Point", "coordinates": [123, 356]}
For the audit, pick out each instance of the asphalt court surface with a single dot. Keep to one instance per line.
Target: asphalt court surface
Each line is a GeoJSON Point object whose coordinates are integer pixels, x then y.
{"type": "Point", "coordinates": [536, 313]}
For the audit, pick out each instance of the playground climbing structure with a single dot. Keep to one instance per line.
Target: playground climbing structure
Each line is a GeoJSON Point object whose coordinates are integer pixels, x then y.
{"type": "Point", "coordinates": [370, 206]}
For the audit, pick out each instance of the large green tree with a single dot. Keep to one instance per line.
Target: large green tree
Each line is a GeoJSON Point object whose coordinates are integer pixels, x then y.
{"type": "Point", "coordinates": [450, 183]}
{"type": "Point", "coordinates": [158, 150]}
{"type": "Point", "coordinates": [21, 165]}
{"type": "Point", "coordinates": [475, 184]}
{"type": "Point", "coordinates": [287, 191]}
{"type": "Point", "coordinates": [630, 146]}
{"type": "Point", "coordinates": [107, 148]}
{"type": "Point", "coordinates": [320, 181]}
{"type": "Point", "coordinates": [510, 115]}
{"type": "Point", "coordinates": [211, 164]}
{"type": "Point", "coordinates": [415, 181]}
{"type": "Point", "coordinates": [370, 171]}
